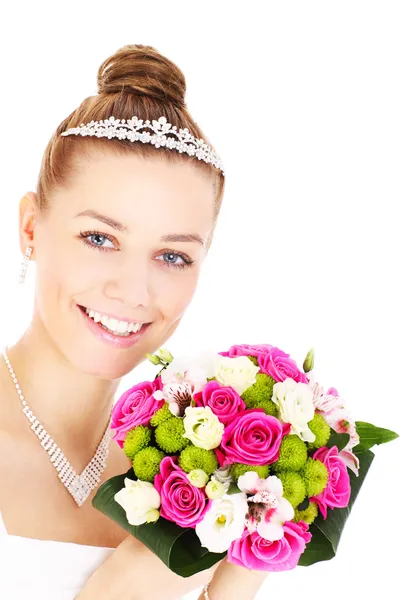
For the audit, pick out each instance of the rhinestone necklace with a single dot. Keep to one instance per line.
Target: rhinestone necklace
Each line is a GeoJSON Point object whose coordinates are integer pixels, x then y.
{"type": "Point", "coordinates": [79, 486]}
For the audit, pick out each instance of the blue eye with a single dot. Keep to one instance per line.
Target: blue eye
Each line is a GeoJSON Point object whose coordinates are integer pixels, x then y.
{"type": "Point", "coordinates": [172, 257]}
{"type": "Point", "coordinates": [98, 238]}
{"type": "Point", "coordinates": [186, 261]}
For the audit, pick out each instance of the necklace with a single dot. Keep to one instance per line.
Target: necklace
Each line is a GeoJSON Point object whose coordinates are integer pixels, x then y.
{"type": "Point", "coordinates": [79, 486]}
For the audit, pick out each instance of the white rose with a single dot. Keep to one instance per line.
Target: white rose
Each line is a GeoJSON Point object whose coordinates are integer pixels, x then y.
{"type": "Point", "coordinates": [223, 523]}
{"type": "Point", "coordinates": [202, 427]}
{"type": "Point", "coordinates": [140, 500]}
{"type": "Point", "coordinates": [237, 372]}
{"type": "Point", "coordinates": [296, 406]}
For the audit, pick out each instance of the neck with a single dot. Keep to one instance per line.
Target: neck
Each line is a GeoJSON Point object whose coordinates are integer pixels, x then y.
{"type": "Point", "coordinates": [74, 407]}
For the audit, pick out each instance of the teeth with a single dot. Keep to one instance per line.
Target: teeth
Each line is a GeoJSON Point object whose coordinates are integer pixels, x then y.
{"type": "Point", "coordinates": [118, 327]}
{"type": "Point", "coordinates": [122, 327]}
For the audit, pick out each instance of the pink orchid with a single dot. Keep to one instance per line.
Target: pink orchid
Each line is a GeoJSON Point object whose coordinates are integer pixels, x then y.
{"type": "Point", "coordinates": [331, 406]}
{"type": "Point", "coordinates": [351, 460]}
{"type": "Point", "coordinates": [268, 510]}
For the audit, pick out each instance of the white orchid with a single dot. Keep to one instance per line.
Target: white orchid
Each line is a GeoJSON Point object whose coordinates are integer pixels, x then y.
{"type": "Point", "coordinates": [177, 394]}
{"type": "Point", "coordinates": [184, 377]}
{"type": "Point", "coordinates": [195, 368]}
{"type": "Point", "coordinates": [223, 523]}
{"type": "Point", "coordinates": [268, 510]}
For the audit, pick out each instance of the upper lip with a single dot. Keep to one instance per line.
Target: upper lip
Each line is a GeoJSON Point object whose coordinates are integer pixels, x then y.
{"type": "Point", "coordinates": [105, 314]}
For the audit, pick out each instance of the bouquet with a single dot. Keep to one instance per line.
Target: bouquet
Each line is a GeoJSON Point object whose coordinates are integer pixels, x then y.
{"type": "Point", "coordinates": [240, 453]}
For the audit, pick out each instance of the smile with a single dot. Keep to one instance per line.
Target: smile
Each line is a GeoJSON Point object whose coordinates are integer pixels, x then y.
{"type": "Point", "coordinates": [115, 326]}
{"type": "Point", "coordinates": [112, 331]}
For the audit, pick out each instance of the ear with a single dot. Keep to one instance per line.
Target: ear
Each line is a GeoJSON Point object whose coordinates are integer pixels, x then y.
{"type": "Point", "coordinates": [27, 222]}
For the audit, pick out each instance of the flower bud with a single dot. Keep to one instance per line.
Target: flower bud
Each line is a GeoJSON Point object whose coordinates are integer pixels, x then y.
{"type": "Point", "coordinates": [165, 355]}
{"type": "Point", "coordinates": [223, 475]}
{"type": "Point", "coordinates": [215, 489]}
{"type": "Point", "coordinates": [308, 364]}
{"type": "Point", "coordinates": [153, 359]}
{"type": "Point", "coordinates": [153, 516]}
{"type": "Point", "coordinates": [198, 478]}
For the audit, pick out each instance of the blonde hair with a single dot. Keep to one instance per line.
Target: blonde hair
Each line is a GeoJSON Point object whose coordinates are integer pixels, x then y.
{"type": "Point", "coordinates": [135, 80]}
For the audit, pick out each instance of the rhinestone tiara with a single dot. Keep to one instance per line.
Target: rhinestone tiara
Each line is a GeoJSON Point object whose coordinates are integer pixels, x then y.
{"type": "Point", "coordinates": [181, 140]}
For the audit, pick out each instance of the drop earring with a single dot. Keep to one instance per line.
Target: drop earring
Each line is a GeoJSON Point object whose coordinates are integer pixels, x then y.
{"type": "Point", "coordinates": [24, 264]}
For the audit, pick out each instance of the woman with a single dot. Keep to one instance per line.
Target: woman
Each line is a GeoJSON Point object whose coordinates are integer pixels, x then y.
{"type": "Point", "coordinates": [118, 231]}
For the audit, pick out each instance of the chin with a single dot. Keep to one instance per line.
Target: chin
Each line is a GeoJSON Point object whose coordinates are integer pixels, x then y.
{"type": "Point", "coordinates": [106, 367]}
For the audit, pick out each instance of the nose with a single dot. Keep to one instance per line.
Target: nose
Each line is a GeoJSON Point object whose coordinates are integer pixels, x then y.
{"type": "Point", "coordinates": [130, 283]}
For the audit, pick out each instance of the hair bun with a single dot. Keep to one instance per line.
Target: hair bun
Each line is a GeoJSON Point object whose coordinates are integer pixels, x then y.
{"type": "Point", "coordinates": [142, 70]}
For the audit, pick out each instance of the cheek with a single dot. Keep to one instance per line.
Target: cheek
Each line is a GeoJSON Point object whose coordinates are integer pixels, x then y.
{"type": "Point", "coordinates": [176, 292]}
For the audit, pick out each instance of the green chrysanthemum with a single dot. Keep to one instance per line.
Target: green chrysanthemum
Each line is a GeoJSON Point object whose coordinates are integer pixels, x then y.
{"type": "Point", "coordinates": [192, 458]}
{"type": "Point", "coordinates": [260, 391]}
{"type": "Point", "coordinates": [161, 415]}
{"type": "Point", "coordinates": [146, 463]}
{"type": "Point", "coordinates": [308, 515]}
{"type": "Point", "coordinates": [315, 476]}
{"type": "Point", "coordinates": [253, 360]}
{"type": "Point", "coordinates": [294, 489]}
{"type": "Point", "coordinates": [169, 435]}
{"type": "Point", "coordinates": [136, 439]}
{"type": "Point", "coordinates": [268, 406]}
{"type": "Point", "coordinates": [292, 454]}
{"type": "Point", "coordinates": [321, 430]}
{"type": "Point", "coordinates": [239, 469]}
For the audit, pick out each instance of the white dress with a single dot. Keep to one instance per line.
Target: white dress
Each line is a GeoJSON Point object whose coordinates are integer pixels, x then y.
{"type": "Point", "coordinates": [32, 569]}
{"type": "Point", "coordinates": [45, 570]}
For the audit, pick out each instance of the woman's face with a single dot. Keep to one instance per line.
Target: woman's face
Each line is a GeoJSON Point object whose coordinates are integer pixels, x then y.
{"type": "Point", "coordinates": [143, 268]}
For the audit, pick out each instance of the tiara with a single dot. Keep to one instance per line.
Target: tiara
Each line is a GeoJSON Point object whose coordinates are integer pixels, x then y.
{"type": "Point", "coordinates": [181, 140]}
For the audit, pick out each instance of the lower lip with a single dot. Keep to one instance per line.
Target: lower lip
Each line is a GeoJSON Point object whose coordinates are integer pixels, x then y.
{"type": "Point", "coordinates": [110, 339]}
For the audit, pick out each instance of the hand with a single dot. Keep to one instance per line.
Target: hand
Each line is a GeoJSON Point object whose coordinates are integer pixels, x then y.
{"type": "Point", "coordinates": [231, 581]}
{"type": "Point", "coordinates": [133, 572]}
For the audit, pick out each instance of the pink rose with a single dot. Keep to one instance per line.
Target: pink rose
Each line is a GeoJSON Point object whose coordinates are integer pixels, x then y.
{"type": "Point", "coordinates": [278, 365]}
{"type": "Point", "coordinates": [225, 402]}
{"type": "Point", "coordinates": [181, 502]}
{"type": "Point", "coordinates": [135, 407]}
{"type": "Point", "coordinates": [247, 350]}
{"type": "Point", "coordinates": [272, 361]}
{"type": "Point", "coordinates": [253, 438]}
{"type": "Point", "coordinates": [254, 552]}
{"type": "Point", "coordinates": [337, 492]}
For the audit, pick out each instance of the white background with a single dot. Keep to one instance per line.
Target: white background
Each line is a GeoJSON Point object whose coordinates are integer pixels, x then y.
{"type": "Point", "coordinates": [301, 99]}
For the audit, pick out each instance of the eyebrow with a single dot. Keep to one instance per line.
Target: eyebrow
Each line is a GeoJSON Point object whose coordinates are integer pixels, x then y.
{"type": "Point", "coordinates": [173, 237]}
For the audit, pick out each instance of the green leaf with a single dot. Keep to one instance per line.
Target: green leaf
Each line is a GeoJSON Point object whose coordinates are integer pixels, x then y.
{"type": "Point", "coordinates": [304, 505]}
{"type": "Point", "coordinates": [370, 435]}
{"type": "Point", "coordinates": [326, 533]}
{"type": "Point", "coordinates": [180, 548]}
{"type": "Point", "coordinates": [177, 547]}
{"type": "Point", "coordinates": [233, 489]}
{"type": "Point", "coordinates": [338, 439]}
